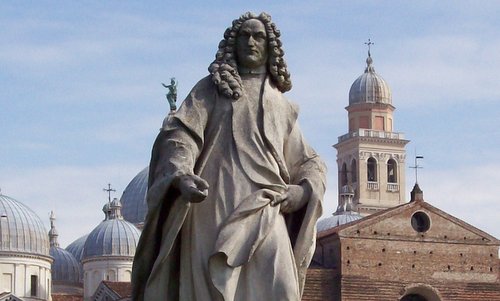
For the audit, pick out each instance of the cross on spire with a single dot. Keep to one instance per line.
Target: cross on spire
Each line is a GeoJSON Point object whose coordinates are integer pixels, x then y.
{"type": "Point", "coordinates": [417, 167]}
{"type": "Point", "coordinates": [369, 44]}
{"type": "Point", "coordinates": [109, 190]}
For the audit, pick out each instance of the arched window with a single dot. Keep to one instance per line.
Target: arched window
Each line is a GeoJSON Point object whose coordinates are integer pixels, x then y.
{"type": "Point", "coordinates": [111, 275]}
{"type": "Point", "coordinates": [343, 175]}
{"type": "Point", "coordinates": [392, 171]}
{"type": "Point", "coordinates": [354, 171]}
{"type": "Point", "coordinates": [372, 170]}
{"type": "Point", "coordinates": [127, 275]}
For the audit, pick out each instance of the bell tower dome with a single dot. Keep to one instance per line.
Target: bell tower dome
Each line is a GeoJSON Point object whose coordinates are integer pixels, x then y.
{"type": "Point", "coordinates": [371, 156]}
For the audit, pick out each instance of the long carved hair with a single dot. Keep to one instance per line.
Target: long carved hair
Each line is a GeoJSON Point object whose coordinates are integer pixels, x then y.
{"type": "Point", "coordinates": [224, 69]}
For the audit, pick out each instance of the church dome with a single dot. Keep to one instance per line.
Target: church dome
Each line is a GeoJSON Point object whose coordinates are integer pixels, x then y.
{"type": "Point", "coordinates": [65, 267]}
{"type": "Point", "coordinates": [112, 237]}
{"type": "Point", "coordinates": [76, 247]}
{"type": "Point", "coordinates": [370, 87]}
{"type": "Point", "coordinates": [21, 229]}
{"type": "Point", "coordinates": [337, 220]}
{"type": "Point", "coordinates": [134, 198]}
{"type": "Point", "coordinates": [345, 211]}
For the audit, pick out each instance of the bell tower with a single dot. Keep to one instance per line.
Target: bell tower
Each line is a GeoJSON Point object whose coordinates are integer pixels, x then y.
{"type": "Point", "coordinates": [371, 156]}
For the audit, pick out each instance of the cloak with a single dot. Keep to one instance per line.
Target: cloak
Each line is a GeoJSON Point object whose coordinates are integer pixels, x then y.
{"type": "Point", "coordinates": [157, 261]}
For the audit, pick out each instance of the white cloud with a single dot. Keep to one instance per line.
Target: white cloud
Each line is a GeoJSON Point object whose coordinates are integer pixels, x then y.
{"type": "Point", "coordinates": [443, 69]}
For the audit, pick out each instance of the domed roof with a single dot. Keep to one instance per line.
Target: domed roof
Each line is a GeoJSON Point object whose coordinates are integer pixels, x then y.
{"type": "Point", "coordinates": [337, 220]}
{"type": "Point", "coordinates": [112, 237]}
{"type": "Point", "coordinates": [345, 211]}
{"type": "Point", "coordinates": [65, 267]}
{"type": "Point", "coordinates": [21, 229]}
{"type": "Point", "coordinates": [370, 87]}
{"type": "Point", "coordinates": [76, 247]}
{"type": "Point", "coordinates": [134, 198]}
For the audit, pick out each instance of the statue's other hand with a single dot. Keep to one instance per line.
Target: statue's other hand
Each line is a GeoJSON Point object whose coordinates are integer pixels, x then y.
{"type": "Point", "coordinates": [295, 197]}
{"type": "Point", "coordinates": [192, 188]}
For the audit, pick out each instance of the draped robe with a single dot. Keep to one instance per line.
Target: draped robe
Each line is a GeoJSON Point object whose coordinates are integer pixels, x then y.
{"type": "Point", "coordinates": [233, 246]}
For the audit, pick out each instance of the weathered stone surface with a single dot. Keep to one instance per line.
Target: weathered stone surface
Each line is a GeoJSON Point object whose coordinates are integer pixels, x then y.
{"type": "Point", "coordinates": [234, 190]}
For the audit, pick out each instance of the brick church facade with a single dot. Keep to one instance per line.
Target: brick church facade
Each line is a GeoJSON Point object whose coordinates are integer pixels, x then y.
{"type": "Point", "coordinates": [410, 252]}
{"type": "Point", "coordinates": [377, 246]}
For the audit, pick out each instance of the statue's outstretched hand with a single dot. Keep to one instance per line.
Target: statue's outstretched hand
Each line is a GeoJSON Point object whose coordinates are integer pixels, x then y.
{"type": "Point", "coordinates": [295, 197]}
{"type": "Point", "coordinates": [192, 188]}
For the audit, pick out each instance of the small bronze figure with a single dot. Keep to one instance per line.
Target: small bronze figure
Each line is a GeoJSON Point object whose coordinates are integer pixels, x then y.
{"type": "Point", "coordinates": [172, 94]}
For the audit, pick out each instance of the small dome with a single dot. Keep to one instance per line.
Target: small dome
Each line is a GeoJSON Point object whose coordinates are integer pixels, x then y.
{"type": "Point", "coordinates": [112, 237]}
{"type": "Point", "coordinates": [345, 211]}
{"type": "Point", "coordinates": [337, 220]}
{"type": "Point", "coordinates": [370, 87]}
{"type": "Point", "coordinates": [22, 230]}
{"type": "Point", "coordinates": [134, 198]}
{"type": "Point", "coordinates": [65, 267]}
{"type": "Point", "coordinates": [76, 247]}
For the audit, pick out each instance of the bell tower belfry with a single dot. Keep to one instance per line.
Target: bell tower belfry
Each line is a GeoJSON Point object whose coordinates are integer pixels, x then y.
{"type": "Point", "coordinates": [371, 156]}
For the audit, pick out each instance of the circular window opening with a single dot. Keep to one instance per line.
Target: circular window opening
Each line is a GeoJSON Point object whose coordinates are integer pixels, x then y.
{"type": "Point", "coordinates": [420, 222]}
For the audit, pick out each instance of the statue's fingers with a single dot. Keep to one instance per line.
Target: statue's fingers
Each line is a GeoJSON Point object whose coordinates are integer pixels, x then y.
{"type": "Point", "coordinates": [200, 183]}
{"type": "Point", "coordinates": [196, 195]}
{"type": "Point", "coordinates": [279, 199]}
{"type": "Point", "coordinates": [183, 182]}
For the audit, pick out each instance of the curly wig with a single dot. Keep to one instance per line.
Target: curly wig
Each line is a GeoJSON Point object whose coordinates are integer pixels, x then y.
{"type": "Point", "coordinates": [224, 69]}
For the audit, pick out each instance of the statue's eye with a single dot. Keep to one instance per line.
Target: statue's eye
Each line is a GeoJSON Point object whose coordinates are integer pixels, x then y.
{"type": "Point", "coordinates": [244, 34]}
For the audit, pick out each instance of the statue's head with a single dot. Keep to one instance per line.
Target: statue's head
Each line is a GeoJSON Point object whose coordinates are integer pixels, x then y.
{"type": "Point", "coordinates": [251, 45]}
{"type": "Point", "coordinates": [251, 41]}
{"type": "Point", "coordinates": [172, 80]}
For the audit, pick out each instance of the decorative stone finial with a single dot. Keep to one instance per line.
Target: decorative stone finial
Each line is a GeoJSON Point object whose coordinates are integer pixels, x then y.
{"type": "Point", "coordinates": [346, 205]}
{"type": "Point", "coordinates": [53, 232]}
{"type": "Point", "coordinates": [115, 209]}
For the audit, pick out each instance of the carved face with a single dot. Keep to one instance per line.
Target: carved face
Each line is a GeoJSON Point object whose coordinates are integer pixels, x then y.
{"type": "Point", "coordinates": [251, 44]}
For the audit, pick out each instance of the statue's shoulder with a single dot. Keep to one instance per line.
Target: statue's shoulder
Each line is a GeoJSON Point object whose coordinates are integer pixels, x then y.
{"type": "Point", "coordinates": [283, 103]}
{"type": "Point", "coordinates": [204, 91]}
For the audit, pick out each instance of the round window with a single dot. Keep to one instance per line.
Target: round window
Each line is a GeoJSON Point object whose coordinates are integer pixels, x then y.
{"type": "Point", "coordinates": [420, 221]}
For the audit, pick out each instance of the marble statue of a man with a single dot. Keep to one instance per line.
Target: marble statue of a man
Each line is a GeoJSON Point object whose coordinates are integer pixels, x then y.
{"type": "Point", "coordinates": [234, 189]}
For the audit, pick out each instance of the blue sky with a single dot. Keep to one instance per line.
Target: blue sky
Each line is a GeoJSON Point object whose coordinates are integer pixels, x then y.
{"type": "Point", "coordinates": [81, 99]}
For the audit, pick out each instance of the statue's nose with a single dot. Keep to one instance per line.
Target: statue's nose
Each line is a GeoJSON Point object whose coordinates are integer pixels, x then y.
{"type": "Point", "coordinates": [251, 41]}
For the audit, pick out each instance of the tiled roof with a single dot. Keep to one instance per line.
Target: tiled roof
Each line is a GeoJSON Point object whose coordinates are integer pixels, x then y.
{"type": "Point", "coordinates": [319, 285]}
{"type": "Point", "coordinates": [67, 297]}
{"type": "Point", "coordinates": [122, 289]}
